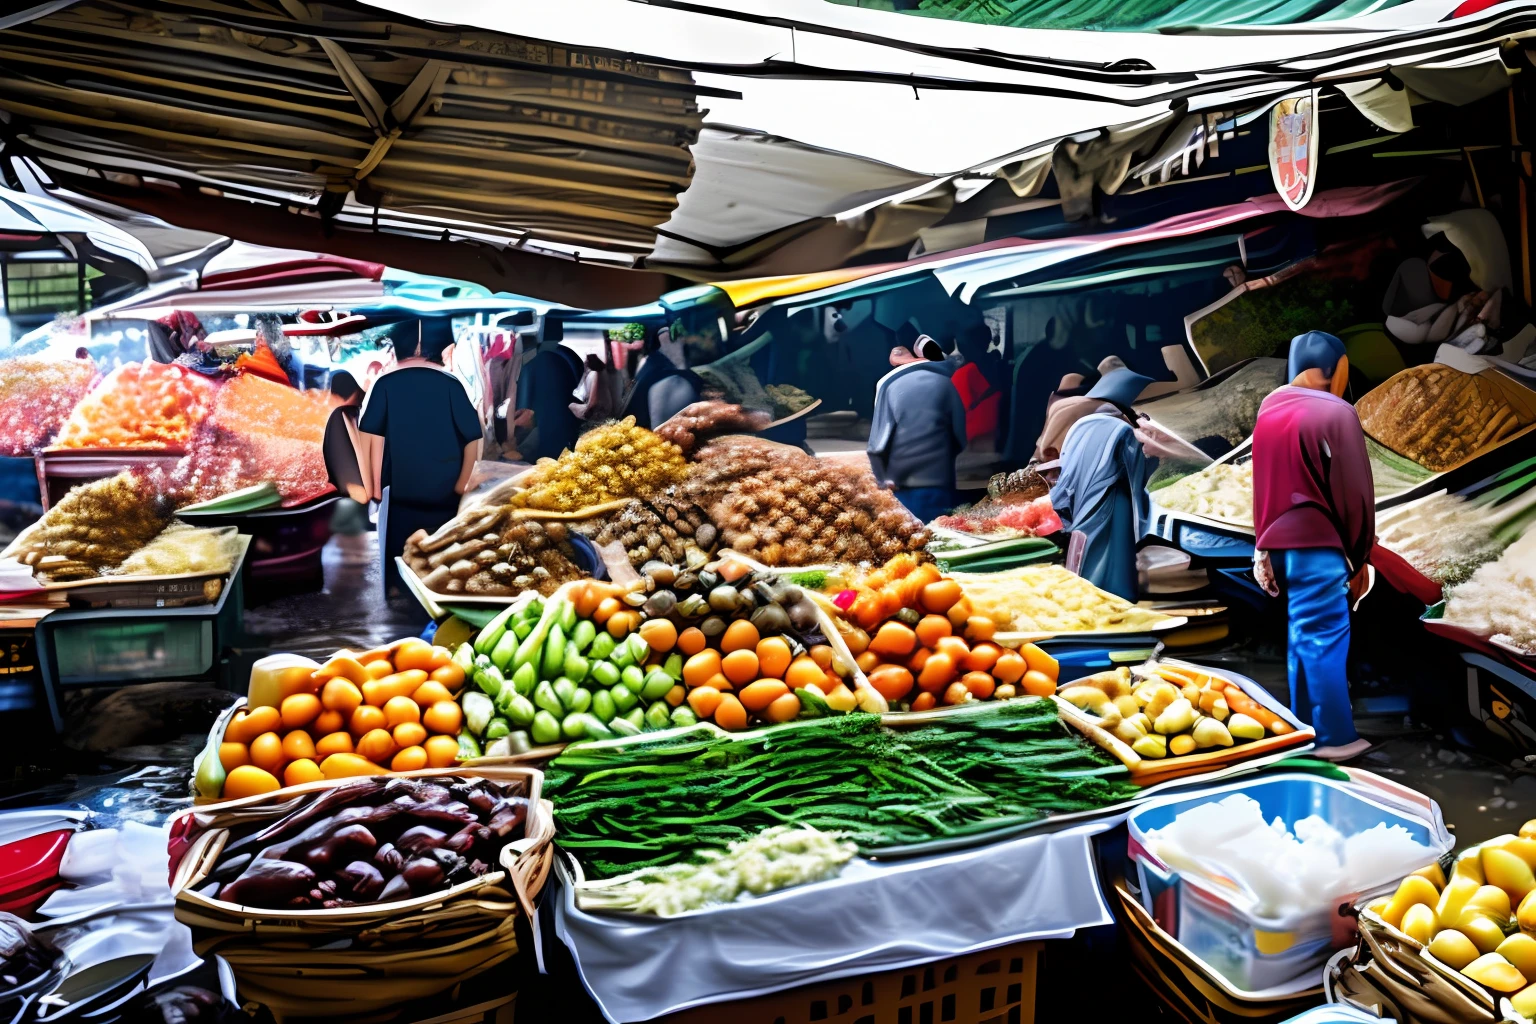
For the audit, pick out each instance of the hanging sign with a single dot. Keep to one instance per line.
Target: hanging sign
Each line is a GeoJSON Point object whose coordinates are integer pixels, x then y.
{"type": "Point", "coordinates": [1293, 148]}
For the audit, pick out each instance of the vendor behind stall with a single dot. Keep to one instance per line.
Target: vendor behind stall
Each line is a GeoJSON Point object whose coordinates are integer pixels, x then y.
{"type": "Point", "coordinates": [663, 386]}
{"type": "Point", "coordinates": [918, 429]}
{"type": "Point", "coordinates": [1314, 513]}
{"type": "Point", "coordinates": [546, 386]}
{"type": "Point", "coordinates": [1102, 490]}
{"type": "Point", "coordinates": [422, 435]}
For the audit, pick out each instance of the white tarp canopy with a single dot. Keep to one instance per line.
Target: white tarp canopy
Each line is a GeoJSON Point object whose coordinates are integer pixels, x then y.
{"type": "Point", "coordinates": [24, 214]}
{"type": "Point", "coordinates": [828, 129]}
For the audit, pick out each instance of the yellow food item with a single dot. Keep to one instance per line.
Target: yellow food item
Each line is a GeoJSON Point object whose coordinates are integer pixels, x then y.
{"type": "Point", "coordinates": [1484, 932]}
{"type": "Point", "coordinates": [411, 759]}
{"type": "Point", "coordinates": [1454, 897]}
{"type": "Point", "coordinates": [1178, 746]}
{"type": "Point", "coordinates": [1434, 874]}
{"type": "Point", "coordinates": [1520, 950]}
{"type": "Point", "coordinates": [1490, 900]}
{"type": "Point", "coordinates": [346, 766]}
{"type": "Point", "coordinates": [1049, 599]}
{"type": "Point", "coordinates": [277, 676]}
{"type": "Point", "coordinates": [1508, 872]}
{"type": "Point", "coordinates": [248, 780]}
{"type": "Point", "coordinates": [1438, 416]}
{"type": "Point", "coordinates": [301, 771]}
{"type": "Point", "coordinates": [1152, 746]}
{"type": "Point", "coordinates": [1453, 949]}
{"type": "Point", "coordinates": [442, 751]}
{"type": "Point", "coordinates": [233, 755]}
{"type": "Point", "coordinates": [1497, 973]}
{"type": "Point", "coordinates": [1524, 1002]}
{"type": "Point", "coordinates": [1526, 915]}
{"type": "Point", "coordinates": [267, 752]}
{"type": "Point", "coordinates": [1469, 865]}
{"type": "Point", "coordinates": [1528, 830]}
{"type": "Point", "coordinates": [1410, 891]}
{"type": "Point", "coordinates": [1222, 491]}
{"type": "Point", "coordinates": [1419, 923]}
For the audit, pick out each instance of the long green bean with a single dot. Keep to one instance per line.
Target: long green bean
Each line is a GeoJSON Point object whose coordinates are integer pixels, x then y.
{"type": "Point", "coordinates": [652, 802]}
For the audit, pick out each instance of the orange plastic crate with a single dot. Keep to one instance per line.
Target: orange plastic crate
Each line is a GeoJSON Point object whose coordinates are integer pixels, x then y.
{"type": "Point", "coordinates": [995, 986]}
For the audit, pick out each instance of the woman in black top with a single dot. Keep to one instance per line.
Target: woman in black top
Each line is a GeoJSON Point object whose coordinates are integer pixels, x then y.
{"type": "Point", "coordinates": [423, 436]}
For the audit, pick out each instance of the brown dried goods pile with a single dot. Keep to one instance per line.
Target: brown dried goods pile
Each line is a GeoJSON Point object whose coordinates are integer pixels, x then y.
{"type": "Point", "coordinates": [783, 507]}
{"type": "Point", "coordinates": [486, 552]}
{"type": "Point", "coordinates": [663, 529]}
{"type": "Point", "coordinates": [1438, 416]}
{"type": "Point", "coordinates": [95, 527]}
{"type": "Point", "coordinates": [701, 421]}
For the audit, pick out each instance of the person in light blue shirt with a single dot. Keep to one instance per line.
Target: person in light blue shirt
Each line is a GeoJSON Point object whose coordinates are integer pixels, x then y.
{"type": "Point", "coordinates": [1102, 490]}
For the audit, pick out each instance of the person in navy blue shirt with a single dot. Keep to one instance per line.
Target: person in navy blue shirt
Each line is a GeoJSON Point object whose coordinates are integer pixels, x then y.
{"type": "Point", "coordinates": [423, 436]}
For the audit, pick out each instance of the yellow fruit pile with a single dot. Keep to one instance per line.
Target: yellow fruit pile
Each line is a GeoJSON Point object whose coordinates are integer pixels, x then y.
{"type": "Point", "coordinates": [392, 708]}
{"type": "Point", "coordinates": [1468, 922]}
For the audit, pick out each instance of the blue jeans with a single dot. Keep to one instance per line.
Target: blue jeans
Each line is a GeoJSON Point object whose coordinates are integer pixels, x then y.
{"type": "Point", "coordinates": [927, 503]}
{"type": "Point", "coordinates": [1316, 582]}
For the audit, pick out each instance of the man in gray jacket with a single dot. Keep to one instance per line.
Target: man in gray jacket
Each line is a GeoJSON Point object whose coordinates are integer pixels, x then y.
{"type": "Point", "coordinates": [918, 429]}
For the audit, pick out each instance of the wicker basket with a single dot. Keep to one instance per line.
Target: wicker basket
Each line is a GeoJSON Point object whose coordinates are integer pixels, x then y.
{"type": "Point", "coordinates": [995, 986]}
{"type": "Point", "coordinates": [358, 960]}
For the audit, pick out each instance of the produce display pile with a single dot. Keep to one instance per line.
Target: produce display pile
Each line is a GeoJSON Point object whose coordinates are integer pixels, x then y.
{"type": "Point", "coordinates": [1049, 599]}
{"type": "Point", "coordinates": [1499, 600]}
{"type": "Point", "coordinates": [991, 518]}
{"type": "Point", "coordinates": [1222, 491]}
{"type": "Point", "coordinates": [358, 714]}
{"type": "Point", "coordinates": [140, 405]}
{"type": "Point", "coordinates": [916, 638]}
{"type": "Point", "coordinates": [1171, 712]}
{"type": "Point", "coordinates": [1438, 416]}
{"type": "Point", "coordinates": [662, 529]}
{"type": "Point", "coordinates": [36, 397]}
{"type": "Point", "coordinates": [1481, 921]}
{"type": "Point", "coordinates": [616, 460]}
{"type": "Point", "coordinates": [1227, 410]}
{"type": "Point", "coordinates": [1446, 537]}
{"type": "Point", "coordinates": [655, 801]}
{"type": "Point", "coordinates": [258, 431]}
{"type": "Point", "coordinates": [776, 858]}
{"type": "Point", "coordinates": [784, 507]}
{"type": "Point", "coordinates": [184, 550]}
{"type": "Point", "coordinates": [671, 649]}
{"type": "Point", "coordinates": [373, 841]}
{"type": "Point", "coordinates": [772, 503]}
{"type": "Point", "coordinates": [92, 529]}
{"type": "Point", "coordinates": [699, 422]}
{"type": "Point", "coordinates": [489, 552]}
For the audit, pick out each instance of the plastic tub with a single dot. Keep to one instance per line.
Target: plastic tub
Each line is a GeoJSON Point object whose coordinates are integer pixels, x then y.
{"type": "Point", "coordinates": [1252, 952]}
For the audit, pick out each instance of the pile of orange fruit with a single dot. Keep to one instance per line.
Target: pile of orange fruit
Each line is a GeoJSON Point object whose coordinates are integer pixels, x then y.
{"type": "Point", "coordinates": [140, 405]}
{"type": "Point", "coordinates": [393, 708]}
{"type": "Point", "coordinates": [912, 631]}
{"type": "Point", "coordinates": [743, 678]}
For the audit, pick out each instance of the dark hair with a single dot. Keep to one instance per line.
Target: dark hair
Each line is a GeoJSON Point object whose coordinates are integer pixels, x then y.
{"type": "Point", "coordinates": [344, 385]}
{"type": "Point", "coordinates": [436, 337]}
{"type": "Point", "coordinates": [406, 338]}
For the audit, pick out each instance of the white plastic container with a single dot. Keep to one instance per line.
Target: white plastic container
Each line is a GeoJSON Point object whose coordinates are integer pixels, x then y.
{"type": "Point", "coordinates": [1256, 953]}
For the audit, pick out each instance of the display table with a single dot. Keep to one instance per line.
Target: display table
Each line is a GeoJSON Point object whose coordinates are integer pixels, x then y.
{"type": "Point", "coordinates": [872, 917]}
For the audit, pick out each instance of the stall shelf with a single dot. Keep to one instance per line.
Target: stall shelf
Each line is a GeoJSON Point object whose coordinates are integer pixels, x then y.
{"type": "Point", "coordinates": [114, 647]}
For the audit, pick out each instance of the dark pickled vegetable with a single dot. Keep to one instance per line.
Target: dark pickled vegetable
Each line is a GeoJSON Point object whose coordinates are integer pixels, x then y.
{"type": "Point", "coordinates": [361, 880]}
{"type": "Point", "coordinates": [375, 840]}
{"type": "Point", "coordinates": [270, 883]}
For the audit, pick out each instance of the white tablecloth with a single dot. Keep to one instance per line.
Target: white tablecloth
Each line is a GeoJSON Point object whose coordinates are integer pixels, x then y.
{"type": "Point", "coordinates": [874, 916]}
